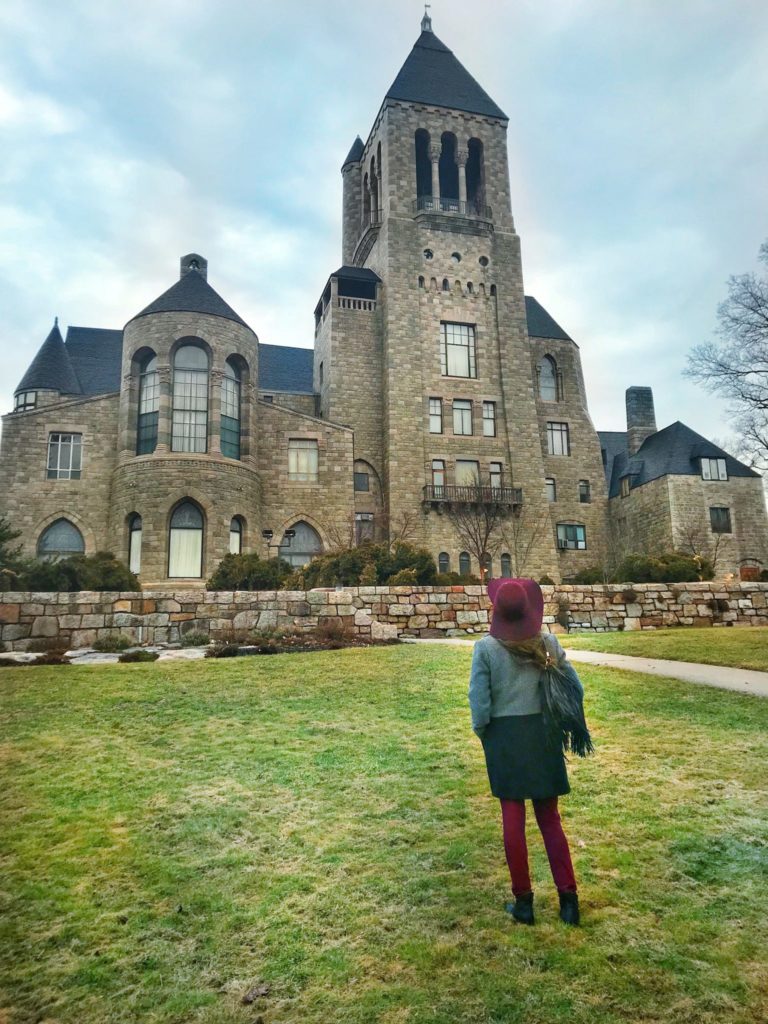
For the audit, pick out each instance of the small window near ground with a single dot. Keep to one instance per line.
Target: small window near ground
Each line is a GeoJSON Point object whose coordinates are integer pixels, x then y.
{"type": "Point", "coordinates": [551, 488]}
{"type": "Point", "coordinates": [363, 526]}
{"type": "Point", "coordinates": [465, 564]}
{"type": "Point", "coordinates": [362, 482]}
{"type": "Point", "coordinates": [720, 519]}
{"type": "Point", "coordinates": [443, 562]}
{"type": "Point", "coordinates": [624, 487]}
{"type": "Point", "coordinates": [236, 536]}
{"type": "Point", "coordinates": [571, 536]}
{"type": "Point", "coordinates": [302, 460]}
{"type": "Point", "coordinates": [24, 401]}
{"type": "Point", "coordinates": [134, 543]}
{"type": "Point", "coordinates": [462, 416]}
{"type": "Point", "coordinates": [489, 419]}
{"type": "Point", "coordinates": [713, 469]}
{"type": "Point", "coordinates": [558, 439]}
{"type": "Point", "coordinates": [65, 456]}
{"type": "Point", "coordinates": [506, 566]}
{"type": "Point", "coordinates": [585, 494]}
{"type": "Point", "coordinates": [60, 540]}
{"type": "Point", "coordinates": [435, 415]}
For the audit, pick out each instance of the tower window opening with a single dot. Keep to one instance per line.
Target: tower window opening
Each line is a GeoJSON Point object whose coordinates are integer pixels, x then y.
{"type": "Point", "coordinates": [423, 164]}
{"type": "Point", "coordinates": [449, 173]}
{"type": "Point", "coordinates": [475, 175]}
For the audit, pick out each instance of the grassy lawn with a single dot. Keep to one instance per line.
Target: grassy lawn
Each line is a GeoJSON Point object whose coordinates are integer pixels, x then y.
{"type": "Point", "coordinates": [321, 824]}
{"type": "Point", "coordinates": [737, 647]}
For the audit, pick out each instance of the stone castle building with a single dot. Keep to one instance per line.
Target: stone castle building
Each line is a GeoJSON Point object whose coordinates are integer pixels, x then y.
{"type": "Point", "coordinates": [434, 384]}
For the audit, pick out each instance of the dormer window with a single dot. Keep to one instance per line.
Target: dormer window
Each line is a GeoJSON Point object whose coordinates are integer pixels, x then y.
{"type": "Point", "coordinates": [24, 401]}
{"type": "Point", "coordinates": [713, 469]}
{"type": "Point", "coordinates": [625, 485]}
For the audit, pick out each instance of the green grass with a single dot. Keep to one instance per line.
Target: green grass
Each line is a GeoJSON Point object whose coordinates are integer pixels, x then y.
{"type": "Point", "coordinates": [739, 647]}
{"type": "Point", "coordinates": [173, 834]}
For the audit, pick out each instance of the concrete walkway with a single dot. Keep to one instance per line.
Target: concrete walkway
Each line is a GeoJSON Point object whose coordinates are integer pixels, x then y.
{"type": "Point", "coordinates": [740, 680]}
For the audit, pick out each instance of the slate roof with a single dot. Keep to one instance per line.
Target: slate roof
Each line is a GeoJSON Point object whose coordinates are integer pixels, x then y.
{"type": "Point", "coordinates": [540, 323]}
{"type": "Point", "coordinates": [432, 75]}
{"type": "Point", "coordinates": [673, 451]}
{"type": "Point", "coordinates": [51, 368]}
{"type": "Point", "coordinates": [285, 369]}
{"type": "Point", "coordinates": [353, 157]}
{"type": "Point", "coordinates": [96, 355]}
{"type": "Point", "coordinates": [192, 294]}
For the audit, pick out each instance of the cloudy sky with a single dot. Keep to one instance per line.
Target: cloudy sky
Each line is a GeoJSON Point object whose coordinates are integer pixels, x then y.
{"type": "Point", "coordinates": [133, 133]}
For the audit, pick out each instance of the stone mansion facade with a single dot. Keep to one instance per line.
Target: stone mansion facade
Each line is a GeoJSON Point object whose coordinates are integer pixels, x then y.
{"type": "Point", "coordinates": [434, 383]}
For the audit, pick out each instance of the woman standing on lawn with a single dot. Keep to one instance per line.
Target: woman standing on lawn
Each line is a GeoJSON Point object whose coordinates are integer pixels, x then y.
{"type": "Point", "coordinates": [523, 764]}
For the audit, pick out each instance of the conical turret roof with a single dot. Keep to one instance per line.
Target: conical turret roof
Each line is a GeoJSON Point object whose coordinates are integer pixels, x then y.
{"type": "Point", "coordinates": [192, 294]}
{"type": "Point", "coordinates": [432, 75]}
{"type": "Point", "coordinates": [355, 153]}
{"type": "Point", "coordinates": [51, 369]}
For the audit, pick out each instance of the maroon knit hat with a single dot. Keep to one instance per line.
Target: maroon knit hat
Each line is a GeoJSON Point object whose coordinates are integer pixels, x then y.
{"type": "Point", "coordinates": [518, 608]}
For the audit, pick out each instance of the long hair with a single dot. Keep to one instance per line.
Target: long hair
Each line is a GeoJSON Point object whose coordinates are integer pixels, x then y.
{"type": "Point", "coordinates": [532, 650]}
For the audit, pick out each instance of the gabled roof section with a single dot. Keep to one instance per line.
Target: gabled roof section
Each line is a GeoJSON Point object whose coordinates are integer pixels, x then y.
{"type": "Point", "coordinates": [540, 323]}
{"type": "Point", "coordinates": [51, 369]}
{"type": "Point", "coordinates": [357, 274]}
{"type": "Point", "coordinates": [353, 157]}
{"type": "Point", "coordinates": [432, 75]}
{"type": "Point", "coordinates": [673, 451]}
{"type": "Point", "coordinates": [192, 294]}
{"type": "Point", "coordinates": [96, 355]}
{"type": "Point", "coordinates": [286, 369]}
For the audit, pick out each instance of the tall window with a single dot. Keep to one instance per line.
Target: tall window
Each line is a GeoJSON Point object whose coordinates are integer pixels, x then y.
{"type": "Point", "coordinates": [302, 547]}
{"type": "Point", "coordinates": [625, 485]}
{"type": "Point", "coordinates": [465, 563]}
{"type": "Point", "coordinates": [189, 432]}
{"type": "Point", "coordinates": [558, 441]}
{"type": "Point", "coordinates": [443, 562]}
{"type": "Point", "coordinates": [438, 476]}
{"type": "Point", "coordinates": [362, 481]}
{"type": "Point", "coordinates": [496, 476]}
{"type": "Point", "coordinates": [457, 350]}
{"type": "Point", "coordinates": [65, 456]}
{"type": "Point", "coordinates": [546, 371]}
{"type": "Point", "coordinates": [572, 536]}
{"type": "Point", "coordinates": [435, 415]}
{"type": "Point", "coordinates": [506, 566]}
{"type": "Point", "coordinates": [467, 473]}
{"type": "Point", "coordinates": [462, 416]}
{"type": "Point", "coordinates": [489, 419]}
{"type": "Point", "coordinates": [720, 520]}
{"type": "Point", "coordinates": [585, 492]}
{"type": "Point", "coordinates": [236, 536]}
{"type": "Point", "coordinates": [185, 548]}
{"type": "Point", "coordinates": [713, 469]}
{"type": "Point", "coordinates": [60, 540]}
{"type": "Point", "coordinates": [363, 526]}
{"type": "Point", "coordinates": [302, 460]}
{"type": "Point", "coordinates": [149, 406]}
{"type": "Point", "coordinates": [24, 401]}
{"type": "Point", "coordinates": [487, 566]}
{"type": "Point", "coordinates": [230, 410]}
{"type": "Point", "coordinates": [134, 543]}
{"type": "Point", "coordinates": [551, 487]}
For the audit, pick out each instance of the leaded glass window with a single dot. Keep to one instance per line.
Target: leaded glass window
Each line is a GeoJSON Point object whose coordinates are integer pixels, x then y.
{"type": "Point", "coordinates": [548, 379]}
{"type": "Point", "coordinates": [60, 540]}
{"type": "Point", "coordinates": [65, 456]}
{"type": "Point", "coordinates": [558, 441]}
{"type": "Point", "coordinates": [149, 406]}
{"type": "Point", "coordinates": [302, 460]}
{"type": "Point", "coordinates": [230, 411]}
{"type": "Point", "coordinates": [189, 431]}
{"type": "Point", "coordinates": [457, 350]}
{"type": "Point", "coordinates": [185, 548]}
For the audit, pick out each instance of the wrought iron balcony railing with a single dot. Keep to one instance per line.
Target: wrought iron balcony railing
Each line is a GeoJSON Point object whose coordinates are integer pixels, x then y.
{"type": "Point", "coordinates": [473, 495]}
{"type": "Point", "coordinates": [430, 204]}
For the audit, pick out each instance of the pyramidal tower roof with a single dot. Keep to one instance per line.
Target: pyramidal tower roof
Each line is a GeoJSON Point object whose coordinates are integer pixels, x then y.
{"type": "Point", "coordinates": [432, 75]}
{"type": "Point", "coordinates": [192, 294]}
{"type": "Point", "coordinates": [51, 369]}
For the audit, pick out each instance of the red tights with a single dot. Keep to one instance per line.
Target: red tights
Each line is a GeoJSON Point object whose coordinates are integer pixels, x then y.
{"type": "Point", "coordinates": [555, 843]}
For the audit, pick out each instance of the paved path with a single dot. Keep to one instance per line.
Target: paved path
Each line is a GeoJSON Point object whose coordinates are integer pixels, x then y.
{"type": "Point", "coordinates": [741, 680]}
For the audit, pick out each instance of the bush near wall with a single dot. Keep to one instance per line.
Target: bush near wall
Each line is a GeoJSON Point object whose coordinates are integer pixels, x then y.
{"type": "Point", "coordinates": [666, 567]}
{"type": "Point", "coordinates": [249, 572]}
{"type": "Point", "coordinates": [101, 572]}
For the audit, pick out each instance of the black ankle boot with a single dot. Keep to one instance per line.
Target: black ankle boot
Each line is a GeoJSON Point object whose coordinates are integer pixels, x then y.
{"type": "Point", "coordinates": [569, 907]}
{"type": "Point", "coordinates": [522, 908]}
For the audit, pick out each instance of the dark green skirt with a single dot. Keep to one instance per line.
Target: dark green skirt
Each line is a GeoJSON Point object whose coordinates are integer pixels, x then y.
{"type": "Point", "coordinates": [521, 764]}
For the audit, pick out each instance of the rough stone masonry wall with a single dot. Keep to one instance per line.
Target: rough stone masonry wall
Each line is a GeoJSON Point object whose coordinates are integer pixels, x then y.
{"type": "Point", "coordinates": [381, 612]}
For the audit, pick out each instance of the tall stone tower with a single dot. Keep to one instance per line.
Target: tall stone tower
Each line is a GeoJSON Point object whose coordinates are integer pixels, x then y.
{"type": "Point", "coordinates": [443, 339]}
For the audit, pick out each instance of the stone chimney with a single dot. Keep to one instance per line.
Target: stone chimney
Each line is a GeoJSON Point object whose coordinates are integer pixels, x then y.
{"type": "Point", "coordinates": [194, 262]}
{"type": "Point", "coordinates": [641, 418]}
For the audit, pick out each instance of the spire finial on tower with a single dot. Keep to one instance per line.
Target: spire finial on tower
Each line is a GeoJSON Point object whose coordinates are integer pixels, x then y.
{"type": "Point", "coordinates": [426, 21]}
{"type": "Point", "coordinates": [55, 321]}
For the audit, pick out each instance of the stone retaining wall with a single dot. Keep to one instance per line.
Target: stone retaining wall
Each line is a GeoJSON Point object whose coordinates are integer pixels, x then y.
{"type": "Point", "coordinates": [382, 612]}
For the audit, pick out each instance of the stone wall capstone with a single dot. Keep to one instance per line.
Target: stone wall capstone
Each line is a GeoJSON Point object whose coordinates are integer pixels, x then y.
{"type": "Point", "coordinates": [164, 616]}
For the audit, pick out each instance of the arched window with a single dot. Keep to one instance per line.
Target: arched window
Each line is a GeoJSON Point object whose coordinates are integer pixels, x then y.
{"type": "Point", "coordinates": [236, 536]}
{"type": "Point", "coordinates": [506, 566]}
{"type": "Point", "coordinates": [189, 431]}
{"type": "Point", "coordinates": [366, 202]}
{"type": "Point", "coordinates": [302, 546]}
{"type": "Point", "coordinates": [465, 564]}
{"type": "Point", "coordinates": [449, 173]}
{"type": "Point", "coordinates": [475, 176]}
{"type": "Point", "coordinates": [423, 164]}
{"type": "Point", "coordinates": [547, 374]}
{"type": "Point", "coordinates": [134, 543]}
{"type": "Point", "coordinates": [185, 547]}
{"type": "Point", "coordinates": [443, 562]}
{"type": "Point", "coordinates": [421, 282]}
{"type": "Point", "coordinates": [230, 410]}
{"type": "Point", "coordinates": [446, 285]}
{"type": "Point", "coordinates": [60, 540]}
{"type": "Point", "coordinates": [487, 567]}
{"type": "Point", "coordinates": [149, 405]}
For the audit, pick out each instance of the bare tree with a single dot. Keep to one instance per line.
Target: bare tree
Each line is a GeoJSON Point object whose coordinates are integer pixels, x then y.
{"type": "Point", "coordinates": [340, 533]}
{"type": "Point", "coordinates": [478, 526]}
{"type": "Point", "coordinates": [736, 367]}
{"type": "Point", "coordinates": [520, 533]}
{"type": "Point", "coordinates": [401, 528]}
{"type": "Point", "coordinates": [700, 542]}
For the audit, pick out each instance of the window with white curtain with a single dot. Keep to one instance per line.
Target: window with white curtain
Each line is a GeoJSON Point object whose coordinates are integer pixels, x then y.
{"type": "Point", "coordinates": [302, 459]}
{"type": "Point", "coordinates": [189, 430]}
{"type": "Point", "coordinates": [236, 536]}
{"type": "Point", "coordinates": [462, 416]}
{"type": "Point", "coordinates": [149, 406]}
{"type": "Point", "coordinates": [548, 380]}
{"type": "Point", "coordinates": [467, 473]}
{"type": "Point", "coordinates": [134, 543]}
{"type": "Point", "coordinates": [230, 410]}
{"type": "Point", "coordinates": [185, 548]}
